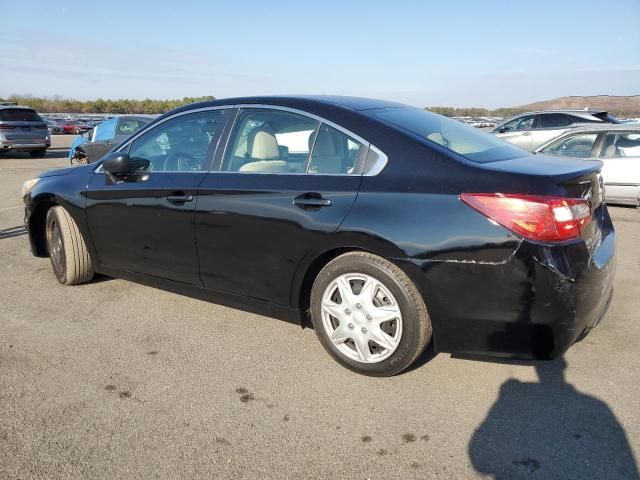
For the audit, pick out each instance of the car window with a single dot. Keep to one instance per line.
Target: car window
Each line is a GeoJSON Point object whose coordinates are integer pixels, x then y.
{"type": "Point", "coordinates": [180, 144]}
{"type": "Point", "coordinates": [521, 123]}
{"type": "Point", "coordinates": [553, 120]}
{"type": "Point", "coordinates": [579, 145]}
{"type": "Point", "coordinates": [618, 145]}
{"type": "Point", "coordinates": [270, 141]}
{"type": "Point", "coordinates": [19, 115]}
{"type": "Point", "coordinates": [469, 142]}
{"type": "Point", "coordinates": [334, 152]}
{"type": "Point", "coordinates": [127, 127]}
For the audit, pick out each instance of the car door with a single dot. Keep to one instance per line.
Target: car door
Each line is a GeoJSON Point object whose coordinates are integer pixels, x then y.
{"type": "Point", "coordinates": [620, 154]}
{"type": "Point", "coordinates": [548, 126]}
{"type": "Point", "coordinates": [286, 182]}
{"type": "Point", "coordinates": [519, 131]}
{"type": "Point", "coordinates": [145, 223]}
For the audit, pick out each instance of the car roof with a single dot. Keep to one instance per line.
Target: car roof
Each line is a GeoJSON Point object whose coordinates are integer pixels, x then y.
{"type": "Point", "coordinates": [14, 106]}
{"type": "Point", "coordinates": [352, 103]}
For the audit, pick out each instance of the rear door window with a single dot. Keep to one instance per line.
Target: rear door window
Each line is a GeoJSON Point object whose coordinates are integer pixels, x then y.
{"type": "Point", "coordinates": [617, 145]}
{"type": "Point", "coordinates": [553, 120]}
{"type": "Point", "coordinates": [334, 152]}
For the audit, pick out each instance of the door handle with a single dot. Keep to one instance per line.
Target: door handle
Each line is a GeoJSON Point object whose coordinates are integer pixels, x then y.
{"type": "Point", "coordinates": [526, 134]}
{"type": "Point", "coordinates": [309, 200]}
{"type": "Point", "coordinates": [180, 198]}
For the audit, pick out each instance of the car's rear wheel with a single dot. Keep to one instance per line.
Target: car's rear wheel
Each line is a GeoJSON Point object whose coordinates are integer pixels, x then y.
{"type": "Point", "coordinates": [369, 315]}
{"type": "Point", "coordinates": [67, 250]}
{"type": "Point", "coordinates": [38, 153]}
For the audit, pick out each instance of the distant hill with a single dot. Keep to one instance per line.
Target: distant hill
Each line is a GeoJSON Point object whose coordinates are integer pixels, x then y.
{"type": "Point", "coordinates": [623, 106]}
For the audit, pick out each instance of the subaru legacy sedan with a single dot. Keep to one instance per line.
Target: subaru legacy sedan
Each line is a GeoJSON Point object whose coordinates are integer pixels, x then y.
{"type": "Point", "coordinates": [389, 227]}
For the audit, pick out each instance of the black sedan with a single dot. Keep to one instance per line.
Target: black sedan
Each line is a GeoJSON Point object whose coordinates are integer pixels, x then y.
{"type": "Point", "coordinates": [389, 226]}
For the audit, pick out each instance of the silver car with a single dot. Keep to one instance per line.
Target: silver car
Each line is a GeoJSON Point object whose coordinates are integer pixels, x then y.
{"type": "Point", "coordinates": [617, 146]}
{"type": "Point", "coordinates": [532, 129]}
{"type": "Point", "coordinates": [22, 130]}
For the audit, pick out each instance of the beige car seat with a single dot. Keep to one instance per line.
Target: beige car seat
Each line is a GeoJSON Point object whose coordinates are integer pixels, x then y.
{"type": "Point", "coordinates": [325, 158]}
{"type": "Point", "coordinates": [265, 154]}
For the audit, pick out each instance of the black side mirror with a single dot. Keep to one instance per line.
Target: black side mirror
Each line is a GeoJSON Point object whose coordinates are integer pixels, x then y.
{"type": "Point", "coordinates": [502, 130]}
{"type": "Point", "coordinates": [119, 163]}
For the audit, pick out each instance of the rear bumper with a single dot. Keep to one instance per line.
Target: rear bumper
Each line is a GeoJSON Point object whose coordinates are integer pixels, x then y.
{"type": "Point", "coordinates": [20, 146]}
{"type": "Point", "coordinates": [533, 306]}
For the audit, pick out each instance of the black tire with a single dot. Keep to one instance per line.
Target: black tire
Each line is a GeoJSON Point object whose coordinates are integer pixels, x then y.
{"type": "Point", "coordinates": [38, 153]}
{"type": "Point", "coordinates": [416, 325]}
{"type": "Point", "coordinates": [67, 250]}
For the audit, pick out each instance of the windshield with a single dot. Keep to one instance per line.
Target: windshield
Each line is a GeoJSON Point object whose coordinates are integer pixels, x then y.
{"type": "Point", "coordinates": [469, 142]}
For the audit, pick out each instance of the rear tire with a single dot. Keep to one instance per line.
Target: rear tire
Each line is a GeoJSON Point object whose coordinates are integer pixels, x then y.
{"type": "Point", "coordinates": [369, 315]}
{"type": "Point", "coordinates": [38, 153]}
{"type": "Point", "coordinates": [67, 250]}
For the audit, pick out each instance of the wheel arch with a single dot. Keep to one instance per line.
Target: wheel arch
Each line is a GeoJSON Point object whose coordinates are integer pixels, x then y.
{"type": "Point", "coordinates": [37, 223]}
{"type": "Point", "coordinates": [336, 245]}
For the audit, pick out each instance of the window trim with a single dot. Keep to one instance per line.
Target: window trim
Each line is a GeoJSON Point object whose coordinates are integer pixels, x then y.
{"type": "Point", "coordinates": [215, 165]}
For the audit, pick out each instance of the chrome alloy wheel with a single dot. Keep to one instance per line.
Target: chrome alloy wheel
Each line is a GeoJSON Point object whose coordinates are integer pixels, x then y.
{"type": "Point", "coordinates": [361, 317]}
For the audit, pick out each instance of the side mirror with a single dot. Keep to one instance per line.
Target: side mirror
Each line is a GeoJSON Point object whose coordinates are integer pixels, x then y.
{"type": "Point", "coordinates": [119, 163]}
{"type": "Point", "coordinates": [502, 130]}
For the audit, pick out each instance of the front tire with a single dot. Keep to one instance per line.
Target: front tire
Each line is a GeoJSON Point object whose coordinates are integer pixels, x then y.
{"type": "Point", "coordinates": [369, 315]}
{"type": "Point", "coordinates": [67, 250]}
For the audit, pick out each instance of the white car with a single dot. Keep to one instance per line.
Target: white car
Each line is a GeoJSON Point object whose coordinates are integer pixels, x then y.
{"type": "Point", "coordinates": [617, 146]}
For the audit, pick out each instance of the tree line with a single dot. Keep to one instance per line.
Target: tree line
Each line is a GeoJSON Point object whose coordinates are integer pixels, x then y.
{"type": "Point", "coordinates": [477, 112]}
{"type": "Point", "coordinates": [58, 104]}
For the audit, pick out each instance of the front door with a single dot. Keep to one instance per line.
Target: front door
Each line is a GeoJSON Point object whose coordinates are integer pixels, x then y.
{"type": "Point", "coordinates": [286, 183]}
{"type": "Point", "coordinates": [145, 224]}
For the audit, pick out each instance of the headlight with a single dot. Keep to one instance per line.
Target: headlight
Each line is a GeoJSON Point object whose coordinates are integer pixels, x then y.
{"type": "Point", "coordinates": [28, 186]}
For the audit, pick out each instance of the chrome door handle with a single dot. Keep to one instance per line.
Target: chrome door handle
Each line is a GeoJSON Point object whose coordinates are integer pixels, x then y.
{"type": "Point", "coordinates": [180, 198]}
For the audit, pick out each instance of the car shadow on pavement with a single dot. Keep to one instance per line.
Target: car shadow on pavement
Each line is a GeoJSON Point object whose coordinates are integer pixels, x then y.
{"type": "Point", "coordinates": [12, 232]}
{"type": "Point", "coordinates": [550, 430]}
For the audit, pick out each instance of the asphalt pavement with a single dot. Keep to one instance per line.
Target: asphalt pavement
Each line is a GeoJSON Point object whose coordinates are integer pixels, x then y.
{"type": "Point", "coordinates": [116, 380]}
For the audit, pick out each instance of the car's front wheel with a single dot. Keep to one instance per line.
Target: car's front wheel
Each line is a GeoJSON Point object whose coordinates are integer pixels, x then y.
{"type": "Point", "coordinates": [67, 250]}
{"type": "Point", "coordinates": [369, 315]}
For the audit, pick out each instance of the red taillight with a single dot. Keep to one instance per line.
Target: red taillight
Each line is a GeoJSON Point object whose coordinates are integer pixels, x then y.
{"type": "Point", "coordinates": [548, 219]}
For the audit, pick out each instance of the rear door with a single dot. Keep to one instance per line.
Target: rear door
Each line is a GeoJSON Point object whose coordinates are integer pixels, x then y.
{"type": "Point", "coordinates": [145, 223]}
{"type": "Point", "coordinates": [286, 182]}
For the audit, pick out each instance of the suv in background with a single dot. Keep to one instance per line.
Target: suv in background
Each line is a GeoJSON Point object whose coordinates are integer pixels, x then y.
{"type": "Point", "coordinates": [532, 129]}
{"type": "Point", "coordinates": [23, 130]}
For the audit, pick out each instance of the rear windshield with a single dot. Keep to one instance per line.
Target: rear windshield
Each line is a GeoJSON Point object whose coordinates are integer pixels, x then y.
{"type": "Point", "coordinates": [19, 115]}
{"type": "Point", "coordinates": [469, 142]}
{"type": "Point", "coordinates": [606, 117]}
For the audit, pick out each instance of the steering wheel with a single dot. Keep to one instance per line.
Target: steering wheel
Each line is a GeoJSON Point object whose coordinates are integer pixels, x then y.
{"type": "Point", "coordinates": [181, 162]}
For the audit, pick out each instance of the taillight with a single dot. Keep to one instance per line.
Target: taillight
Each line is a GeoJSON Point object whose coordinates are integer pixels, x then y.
{"type": "Point", "coordinates": [548, 219]}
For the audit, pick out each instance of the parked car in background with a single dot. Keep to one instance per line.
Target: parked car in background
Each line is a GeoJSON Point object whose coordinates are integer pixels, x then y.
{"type": "Point", "coordinates": [387, 224]}
{"type": "Point", "coordinates": [73, 127]}
{"type": "Point", "coordinates": [23, 130]}
{"type": "Point", "coordinates": [54, 127]}
{"type": "Point", "coordinates": [617, 146]}
{"type": "Point", "coordinates": [532, 129]}
{"type": "Point", "coordinates": [92, 145]}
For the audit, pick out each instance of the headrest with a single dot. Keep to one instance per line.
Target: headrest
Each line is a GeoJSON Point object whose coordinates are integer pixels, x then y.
{"type": "Point", "coordinates": [263, 145]}
{"type": "Point", "coordinates": [325, 143]}
{"type": "Point", "coordinates": [610, 151]}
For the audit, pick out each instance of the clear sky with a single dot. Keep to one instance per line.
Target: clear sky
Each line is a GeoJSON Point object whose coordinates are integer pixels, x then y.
{"type": "Point", "coordinates": [485, 53]}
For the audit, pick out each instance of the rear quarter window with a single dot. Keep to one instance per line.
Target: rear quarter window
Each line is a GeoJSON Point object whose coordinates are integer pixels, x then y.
{"type": "Point", "coordinates": [468, 142]}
